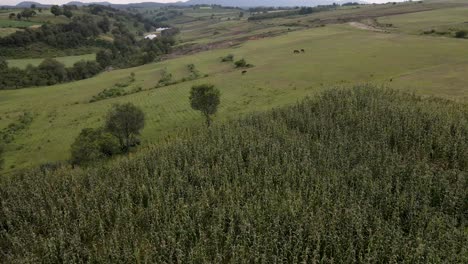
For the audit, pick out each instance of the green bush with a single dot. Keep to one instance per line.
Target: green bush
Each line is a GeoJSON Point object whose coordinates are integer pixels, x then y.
{"type": "Point", "coordinates": [227, 58]}
{"type": "Point", "coordinates": [93, 145]}
{"type": "Point", "coordinates": [461, 34]}
{"type": "Point", "coordinates": [240, 63]}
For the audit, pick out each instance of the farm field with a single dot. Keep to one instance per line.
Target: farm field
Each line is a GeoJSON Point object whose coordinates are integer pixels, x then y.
{"type": "Point", "coordinates": [341, 134]}
{"type": "Point", "coordinates": [336, 56]}
{"type": "Point", "coordinates": [441, 20]}
{"type": "Point", "coordinates": [67, 60]}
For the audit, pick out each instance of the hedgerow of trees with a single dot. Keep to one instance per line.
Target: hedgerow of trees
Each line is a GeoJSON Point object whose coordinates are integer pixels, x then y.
{"type": "Point", "coordinates": [124, 51]}
{"type": "Point", "coordinates": [359, 175]}
{"type": "Point", "coordinates": [49, 72]}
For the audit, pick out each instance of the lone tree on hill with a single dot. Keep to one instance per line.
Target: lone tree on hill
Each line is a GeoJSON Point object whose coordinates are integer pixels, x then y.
{"type": "Point", "coordinates": [205, 98]}
{"type": "Point", "coordinates": [125, 122]}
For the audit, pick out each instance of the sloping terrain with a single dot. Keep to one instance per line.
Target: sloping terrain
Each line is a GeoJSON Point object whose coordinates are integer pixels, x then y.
{"type": "Point", "coordinates": [352, 175]}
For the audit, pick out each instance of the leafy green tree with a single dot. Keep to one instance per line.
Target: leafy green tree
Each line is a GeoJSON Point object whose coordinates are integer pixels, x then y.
{"type": "Point", "coordinates": [11, 16]}
{"type": "Point", "coordinates": [53, 71]}
{"type": "Point", "coordinates": [28, 13]}
{"type": "Point", "coordinates": [56, 10]}
{"type": "Point", "coordinates": [205, 98]}
{"type": "Point", "coordinates": [125, 121]}
{"type": "Point", "coordinates": [3, 64]}
{"type": "Point", "coordinates": [68, 13]}
{"type": "Point", "coordinates": [93, 144]}
{"type": "Point", "coordinates": [104, 58]}
{"type": "Point", "coordinates": [104, 24]}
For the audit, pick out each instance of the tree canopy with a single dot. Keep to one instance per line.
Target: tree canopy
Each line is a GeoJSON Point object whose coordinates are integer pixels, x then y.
{"type": "Point", "coordinates": [205, 98]}
{"type": "Point", "coordinates": [125, 122]}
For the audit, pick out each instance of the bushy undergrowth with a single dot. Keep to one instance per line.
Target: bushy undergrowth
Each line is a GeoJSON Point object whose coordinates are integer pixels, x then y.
{"type": "Point", "coordinates": [359, 175]}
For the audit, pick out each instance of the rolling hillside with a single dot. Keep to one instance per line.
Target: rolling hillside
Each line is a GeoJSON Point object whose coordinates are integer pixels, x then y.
{"type": "Point", "coordinates": [351, 175]}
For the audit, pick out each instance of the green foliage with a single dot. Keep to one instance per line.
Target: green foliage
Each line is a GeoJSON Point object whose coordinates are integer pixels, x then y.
{"type": "Point", "coordinates": [68, 13]}
{"type": "Point", "coordinates": [3, 64]}
{"type": "Point", "coordinates": [104, 58]}
{"type": "Point", "coordinates": [227, 58]}
{"type": "Point", "coordinates": [205, 98]}
{"type": "Point", "coordinates": [7, 135]}
{"type": "Point", "coordinates": [361, 175]}
{"type": "Point", "coordinates": [125, 121]}
{"type": "Point", "coordinates": [117, 90]}
{"type": "Point", "coordinates": [2, 161]}
{"type": "Point", "coordinates": [194, 73]}
{"type": "Point", "coordinates": [461, 34]}
{"type": "Point", "coordinates": [93, 145]}
{"type": "Point", "coordinates": [166, 78]}
{"type": "Point", "coordinates": [49, 72]}
{"type": "Point", "coordinates": [242, 63]}
{"type": "Point", "coordinates": [56, 10]}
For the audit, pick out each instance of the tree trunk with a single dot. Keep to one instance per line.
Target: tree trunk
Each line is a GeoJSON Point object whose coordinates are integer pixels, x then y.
{"type": "Point", "coordinates": [208, 120]}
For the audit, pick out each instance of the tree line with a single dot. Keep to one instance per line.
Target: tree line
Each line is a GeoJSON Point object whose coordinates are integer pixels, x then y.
{"type": "Point", "coordinates": [49, 72]}
{"type": "Point", "coordinates": [124, 51]}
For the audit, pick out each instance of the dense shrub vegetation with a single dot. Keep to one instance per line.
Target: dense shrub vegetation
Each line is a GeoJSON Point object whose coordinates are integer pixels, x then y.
{"type": "Point", "coordinates": [361, 175]}
{"type": "Point", "coordinates": [126, 49]}
{"type": "Point", "coordinates": [118, 135]}
{"type": "Point", "coordinates": [49, 72]}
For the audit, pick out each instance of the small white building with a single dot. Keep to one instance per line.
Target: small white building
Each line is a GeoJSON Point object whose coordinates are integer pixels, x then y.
{"type": "Point", "coordinates": [161, 29]}
{"type": "Point", "coordinates": [151, 36]}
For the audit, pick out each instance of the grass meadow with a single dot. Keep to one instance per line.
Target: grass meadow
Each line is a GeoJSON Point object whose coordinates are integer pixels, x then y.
{"type": "Point", "coordinates": [336, 56]}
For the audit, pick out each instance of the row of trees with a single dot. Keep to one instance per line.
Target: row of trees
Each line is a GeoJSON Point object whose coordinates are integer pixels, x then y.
{"type": "Point", "coordinates": [71, 35]}
{"type": "Point", "coordinates": [124, 123]}
{"type": "Point", "coordinates": [66, 10]}
{"type": "Point", "coordinates": [49, 72]}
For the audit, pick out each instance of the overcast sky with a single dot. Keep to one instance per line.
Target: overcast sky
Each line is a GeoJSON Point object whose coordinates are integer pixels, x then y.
{"type": "Point", "coordinates": [14, 2]}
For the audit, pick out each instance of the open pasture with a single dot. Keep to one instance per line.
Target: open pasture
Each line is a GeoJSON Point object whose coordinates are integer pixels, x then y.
{"type": "Point", "coordinates": [440, 20]}
{"type": "Point", "coordinates": [334, 56]}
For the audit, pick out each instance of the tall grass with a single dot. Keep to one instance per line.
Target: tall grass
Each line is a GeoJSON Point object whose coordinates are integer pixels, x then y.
{"type": "Point", "coordinates": [358, 175]}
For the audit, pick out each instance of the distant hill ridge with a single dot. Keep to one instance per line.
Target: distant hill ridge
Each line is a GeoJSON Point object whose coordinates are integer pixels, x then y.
{"type": "Point", "coordinates": [237, 3]}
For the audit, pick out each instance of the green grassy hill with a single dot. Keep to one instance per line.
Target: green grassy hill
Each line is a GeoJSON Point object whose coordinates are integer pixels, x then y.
{"type": "Point", "coordinates": [335, 56]}
{"type": "Point", "coordinates": [351, 175]}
